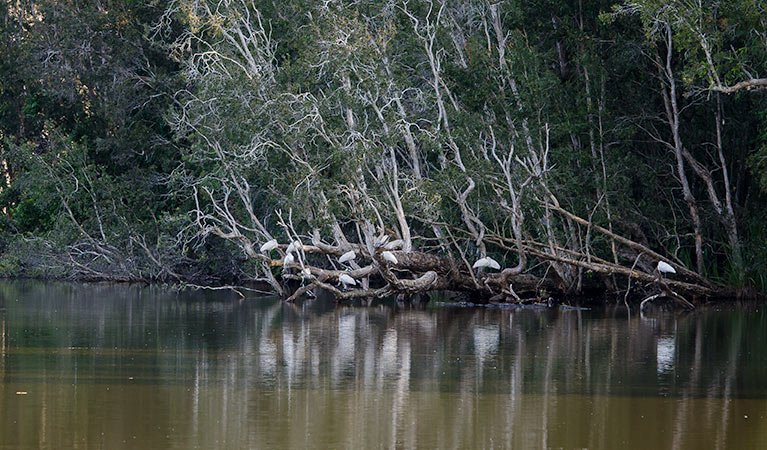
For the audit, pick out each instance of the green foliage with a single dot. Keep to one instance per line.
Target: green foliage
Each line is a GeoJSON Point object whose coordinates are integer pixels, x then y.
{"type": "Point", "coordinates": [116, 125]}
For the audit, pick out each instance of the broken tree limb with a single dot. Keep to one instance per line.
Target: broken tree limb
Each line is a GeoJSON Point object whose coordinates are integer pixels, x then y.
{"type": "Point", "coordinates": [611, 269]}
{"type": "Point", "coordinates": [755, 83]}
{"type": "Point", "coordinates": [636, 246]}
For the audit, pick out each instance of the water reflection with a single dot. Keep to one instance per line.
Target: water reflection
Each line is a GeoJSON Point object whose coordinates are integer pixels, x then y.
{"type": "Point", "coordinates": [108, 366]}
{"type": "Point", "coordinates": [665, 349]}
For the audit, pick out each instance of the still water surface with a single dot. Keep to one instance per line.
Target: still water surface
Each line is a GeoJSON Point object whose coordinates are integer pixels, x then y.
{"type": "Point", "coordinates": [112, 367]}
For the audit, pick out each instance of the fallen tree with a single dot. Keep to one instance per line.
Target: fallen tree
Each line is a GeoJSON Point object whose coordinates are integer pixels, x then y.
{"type": "Point", "coordinates": [380, 268]}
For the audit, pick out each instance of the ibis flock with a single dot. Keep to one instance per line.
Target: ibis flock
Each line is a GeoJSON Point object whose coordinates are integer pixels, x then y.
{"type": "Point", "coordinates": [387, 255]}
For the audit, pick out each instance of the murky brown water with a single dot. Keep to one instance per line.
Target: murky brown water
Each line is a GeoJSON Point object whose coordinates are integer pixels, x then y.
{"type": "Point", "coordinates": [133, 367]}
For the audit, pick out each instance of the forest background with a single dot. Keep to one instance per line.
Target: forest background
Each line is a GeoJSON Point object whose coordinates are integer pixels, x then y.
{"type": "Point", "coordinates": [576, 144]}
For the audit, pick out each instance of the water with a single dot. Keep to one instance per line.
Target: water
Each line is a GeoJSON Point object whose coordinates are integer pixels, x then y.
{"type": "Point", "coordinates": [102, 366]}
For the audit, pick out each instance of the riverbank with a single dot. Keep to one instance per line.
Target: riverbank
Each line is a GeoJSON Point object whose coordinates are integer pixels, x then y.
{"type": "Point", "coordinates": [540, 298]}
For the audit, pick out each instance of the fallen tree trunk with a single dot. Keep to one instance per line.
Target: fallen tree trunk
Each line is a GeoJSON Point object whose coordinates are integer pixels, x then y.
{"type": "Point", "coordinates": [417, 272]}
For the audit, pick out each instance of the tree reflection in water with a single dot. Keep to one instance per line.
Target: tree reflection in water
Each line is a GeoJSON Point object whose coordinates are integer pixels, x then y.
{"type": "Point", "coordinates": [119, 366]}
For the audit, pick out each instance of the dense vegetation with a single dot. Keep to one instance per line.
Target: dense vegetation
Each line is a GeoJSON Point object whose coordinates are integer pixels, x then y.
{"type": "Point", "coordinates": [575, 143]}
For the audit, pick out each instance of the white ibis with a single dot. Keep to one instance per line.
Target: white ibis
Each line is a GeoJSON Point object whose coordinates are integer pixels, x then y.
{"type": "Point", "coordinates": [664, 267]}
{"type": "Point", "coordinates": [269, 246]}
{"type": "Point", "coordinates": [389, 256]}
{"type": "Point", "coordinates": [347, 280]}
{"type": "Point", "coordinates": [487, 262]}
{"type": "Point", "coordinates": [295, 245]}
{"type": "Point", "coordinates": [348, 256]}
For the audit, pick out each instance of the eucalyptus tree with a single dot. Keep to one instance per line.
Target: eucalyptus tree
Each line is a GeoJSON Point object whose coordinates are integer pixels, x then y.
{"type": "Point", "coordinates": [428, 123]}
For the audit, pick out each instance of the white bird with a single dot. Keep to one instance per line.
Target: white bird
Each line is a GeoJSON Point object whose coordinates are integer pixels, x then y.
{"type": "Point", "coordinates": [295, 245]}
{"type": "Point", "coordinates": [347, 280]}
{"type": "Point", "coordinates": [389, 256]}
{"type": "Point", "coordinates": [664, 267]}
{"type": "Point", "coordinates": [487, 262]}
{"type": "Point", "coordinates": [348, 256]}
{"type": "Point", "coordinates": [394, 245]}
{"type": "Point", "coordinates": [269, 246]}
{"type": "Point", "coordinates": [289, 259]}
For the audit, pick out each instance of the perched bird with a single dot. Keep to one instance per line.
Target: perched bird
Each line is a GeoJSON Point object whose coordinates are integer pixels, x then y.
{"type": "Point", "coordinates": [348, 256]}
{"type": "Point", "coordinates": [289, 259]}
{"type": "Point", "coordinates": [295, 245]}
{"type": "Point", "coordinates": [389, 256]}
{"type": "Point", "coordinates": [347, 280]}
{"type": "Point", "coordinates": [394, 245]}
{"type": "Point", "coordinates": [487, 262]}
{"type": "Point", "coordinates": [269, 246]}
{"type": "Point", "coordinates": [664, 267]}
